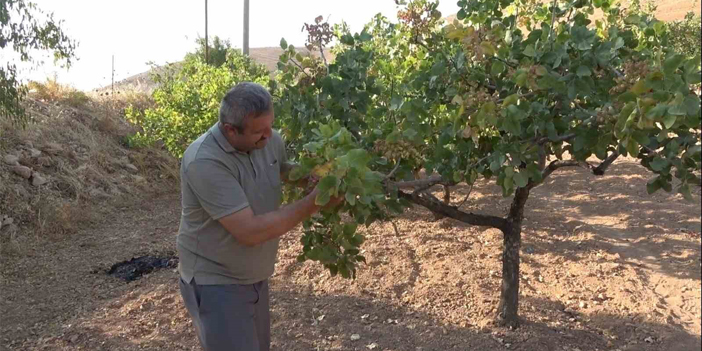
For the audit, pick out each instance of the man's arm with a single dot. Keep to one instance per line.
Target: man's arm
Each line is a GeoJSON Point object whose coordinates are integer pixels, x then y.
{"type": "Point", "coordinates": [251, 230]}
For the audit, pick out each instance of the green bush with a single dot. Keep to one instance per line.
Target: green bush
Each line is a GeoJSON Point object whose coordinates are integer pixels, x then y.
{"type": "Point", "coordinates": [684, 35]}
{"type": "Point", "coordinates": [186, 102]}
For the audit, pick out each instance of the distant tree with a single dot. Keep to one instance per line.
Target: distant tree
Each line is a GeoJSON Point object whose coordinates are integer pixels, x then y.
{"type": "Point", "coordinates": [218, 49]}
{"type": "Point", "coordinates": [24, 29]}
{"type": "Point", "coordinates": [685, 35]}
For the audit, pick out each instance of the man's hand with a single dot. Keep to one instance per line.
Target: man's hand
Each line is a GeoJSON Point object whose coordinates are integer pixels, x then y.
{"type": "Point", "coordinates": [334, 201]}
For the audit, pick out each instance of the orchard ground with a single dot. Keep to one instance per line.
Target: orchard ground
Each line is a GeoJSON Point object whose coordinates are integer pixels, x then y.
{"type": "Point", "coordinates": [604, 267]}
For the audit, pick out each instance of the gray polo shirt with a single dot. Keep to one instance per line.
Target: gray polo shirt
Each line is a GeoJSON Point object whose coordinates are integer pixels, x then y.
{"type": "Point", "coordinates": [216, 181]}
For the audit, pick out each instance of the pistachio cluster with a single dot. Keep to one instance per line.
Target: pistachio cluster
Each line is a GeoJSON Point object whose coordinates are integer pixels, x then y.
{"type": "Point", "coordinates": [397, 150]}
{"type": "Point", "coordinates": [633, 71]}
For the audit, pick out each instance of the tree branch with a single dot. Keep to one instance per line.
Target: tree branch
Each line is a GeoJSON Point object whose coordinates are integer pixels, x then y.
{"type": "Point", "coordinates": [435, 205]}
{"type": "Point", "coordinates": [430, 181]}
{"type": "Point", "coordinates": [560, 138]}
{"type": "Point", "coordinates": [554, 165]}
{"type": "Point", "coordinates": [602, 167]}
{"type": "Point", "coordinates": [299, 66]}
{"type": "Point", "coordinates": [392, 173]}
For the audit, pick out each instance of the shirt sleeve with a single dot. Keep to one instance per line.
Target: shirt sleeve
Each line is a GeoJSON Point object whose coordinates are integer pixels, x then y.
{"type": "Point", "coordinates": [217, 189]}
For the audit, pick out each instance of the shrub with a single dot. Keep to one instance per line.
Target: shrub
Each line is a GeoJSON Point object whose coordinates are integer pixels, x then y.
{"type": "Point", "coordinates": [186, 103]}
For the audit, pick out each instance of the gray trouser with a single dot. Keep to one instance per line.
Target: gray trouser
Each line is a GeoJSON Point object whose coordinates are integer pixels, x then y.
{"type": "Point", "coordinates": [229, 317]}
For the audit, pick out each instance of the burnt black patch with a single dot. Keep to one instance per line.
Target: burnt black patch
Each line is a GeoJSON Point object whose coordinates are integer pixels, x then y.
{"type": "Point", "coordinates": [138, 266]}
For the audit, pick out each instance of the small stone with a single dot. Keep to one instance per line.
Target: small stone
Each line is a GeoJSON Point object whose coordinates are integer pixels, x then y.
{"type": "Point", "coordinates": [649, 340]}
{"type": "Point", "coordinates": [6, 221]}
{"type": "Point", "coordinates": [139, 179]}
{"type": "Point", "coordinates": [355, 337]}
{"type": "Point", "coordinates": [10, 229]}
{"type": "Point", "coordinates": [74, 338]}
{"type": "Point", "coordinates": [131, 167]}
{"type": "Point", "coordinates": [508, 345]}
{"type": "Point", "coordinates": [582, 304]}
{"type": "Point", "coordinates": [372, 346]}
{"type": "Point", "coordinates": [38, 180]}
{"type": "Point", "coordinates": [52, 148]}
{"type": "Point", "coordinates": [34, 153]}
{"type": "Point", "coordinates": [11, 160]}
{"type": "Point", "coordinates": [22, 171]}
{"type": "Point", "coordinates": [365, 316]}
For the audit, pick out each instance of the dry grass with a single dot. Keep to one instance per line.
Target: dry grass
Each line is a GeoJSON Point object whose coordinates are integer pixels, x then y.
{"type": "Point", "coordinates": [53, 91]}
{"type": "Point", "coordinates": [84, 159]}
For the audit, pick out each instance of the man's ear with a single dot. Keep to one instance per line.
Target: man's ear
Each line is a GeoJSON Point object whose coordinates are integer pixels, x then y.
{"type": "Point", "coordinates": [231, 130]}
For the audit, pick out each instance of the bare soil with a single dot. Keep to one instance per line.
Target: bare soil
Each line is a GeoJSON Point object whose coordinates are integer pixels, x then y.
{"type": "Point", "coordinates": [604, 267]}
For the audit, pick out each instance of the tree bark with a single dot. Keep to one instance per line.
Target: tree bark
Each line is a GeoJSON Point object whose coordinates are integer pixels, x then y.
{"type": "Point", "coordinates": [507, 310]}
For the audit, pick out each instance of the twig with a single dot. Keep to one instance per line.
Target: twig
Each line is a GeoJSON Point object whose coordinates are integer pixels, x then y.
{"type": "Point", "coordinates": [397, 231]}
{"type": "Point", "coordinates": [503, 61]}
{"type": "Point", "coordinates": [560, 138]}
{"type": "Point", "coordinates": [553, 20]}
{"type": "Point", "coordinates": [392, 173]}
{"type": "Point", "coordinates": [300, 66]}
{"type": "Point", "coordinates": [470, 190]}
{"type": "Point", "coordinates": [321, 51]}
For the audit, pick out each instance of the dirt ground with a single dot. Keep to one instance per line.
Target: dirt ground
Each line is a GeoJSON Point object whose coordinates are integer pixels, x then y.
{"type": "Point", "coordinates": [604, 267]}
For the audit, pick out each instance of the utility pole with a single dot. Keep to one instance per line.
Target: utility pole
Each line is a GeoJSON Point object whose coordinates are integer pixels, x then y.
{"type": "Point", "coordinates": [207, 46]}
{"type": "Point", "coordinates": [113, 74]}
{"type": "Point", "coordinates": [246, 27]}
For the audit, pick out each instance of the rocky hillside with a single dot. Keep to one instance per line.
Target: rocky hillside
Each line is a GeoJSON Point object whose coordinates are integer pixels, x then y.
{"type": "Point", "coordinates": [71, 166]}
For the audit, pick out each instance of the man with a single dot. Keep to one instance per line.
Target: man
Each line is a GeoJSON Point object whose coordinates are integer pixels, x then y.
{"type": "Point", "coordinates": [231, 222]}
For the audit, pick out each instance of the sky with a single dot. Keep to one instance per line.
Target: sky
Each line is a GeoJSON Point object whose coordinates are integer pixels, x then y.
{"type": "Point", "coordinates": [160, 31]}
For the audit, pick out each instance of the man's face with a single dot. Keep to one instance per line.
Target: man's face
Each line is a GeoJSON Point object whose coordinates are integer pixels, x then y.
{"type": "Point", "coordinates": [256, 132]}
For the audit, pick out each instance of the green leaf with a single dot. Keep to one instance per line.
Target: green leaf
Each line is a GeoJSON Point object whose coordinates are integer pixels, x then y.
{"type": "Point", "coordinates": [693, 77]}
{"type": "Point", "coordinates": [632, 19]}
{"type": "Point", "coordinates": [350, 198]}
{"type": "Point", "coordinates": [669, 120]}
{"type": "Point", "coordinates": [497, 68]}
{"type": "Point", "coordinates": [409, 133]}
{"type": "Point", "coordinates": [326, 131]}
{"type": "Point", "coordinates": [521, 179]}
{"type": "Point", "coordinates": [652, 186]}
{"type": "Point", "coordinates": [658, 164]}
{"type": "Point", "coordinates": [297, 173]}
{"type": "Point", "coordinates": [356, 158]}
{"type": "Point", "coordinates": [692, 105]}
{"type": "Point", "coordinates": [583, 71]}
{"type": "Point", "coordinates": [632, 147]}
{"type": "Point", "coordinates": [511, 100]}
{"type": "Point", "coordinates": [657, 112]}
{"type": "Point", "coordinates": [327, 187]}
{"type": "Point", "coordinates": [672, 63]}
{"type": "Point", "coordinates": [488, 48]}
{"type": "Point", "coordinates": [283, 43]}
{"type": "Point", "coordinates": [684, 189]}
{"type": "Point", "coordinates": [639, 87]}
{"type": "Point", "coordinates": [529, 51]}
{"type": "Point", "coordinates": [350, 229]}
{"type": "Point", "coordinates": [396, 102]}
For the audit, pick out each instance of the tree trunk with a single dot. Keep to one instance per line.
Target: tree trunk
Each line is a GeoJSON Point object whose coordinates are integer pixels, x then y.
{"type": "Point", "coordinates": [507, 310]}
{"type": "Point", "coordinates": [447, 202]}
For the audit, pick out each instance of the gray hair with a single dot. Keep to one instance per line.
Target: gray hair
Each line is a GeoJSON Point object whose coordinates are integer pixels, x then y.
{"type": "Point", "coordinates": [244, 100]}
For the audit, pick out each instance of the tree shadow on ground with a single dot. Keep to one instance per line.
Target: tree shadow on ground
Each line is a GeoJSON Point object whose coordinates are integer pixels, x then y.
{"type": "Point", "coordinates": [614, 209]}
{"type": "Point", "coordinates": [296, 326]}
